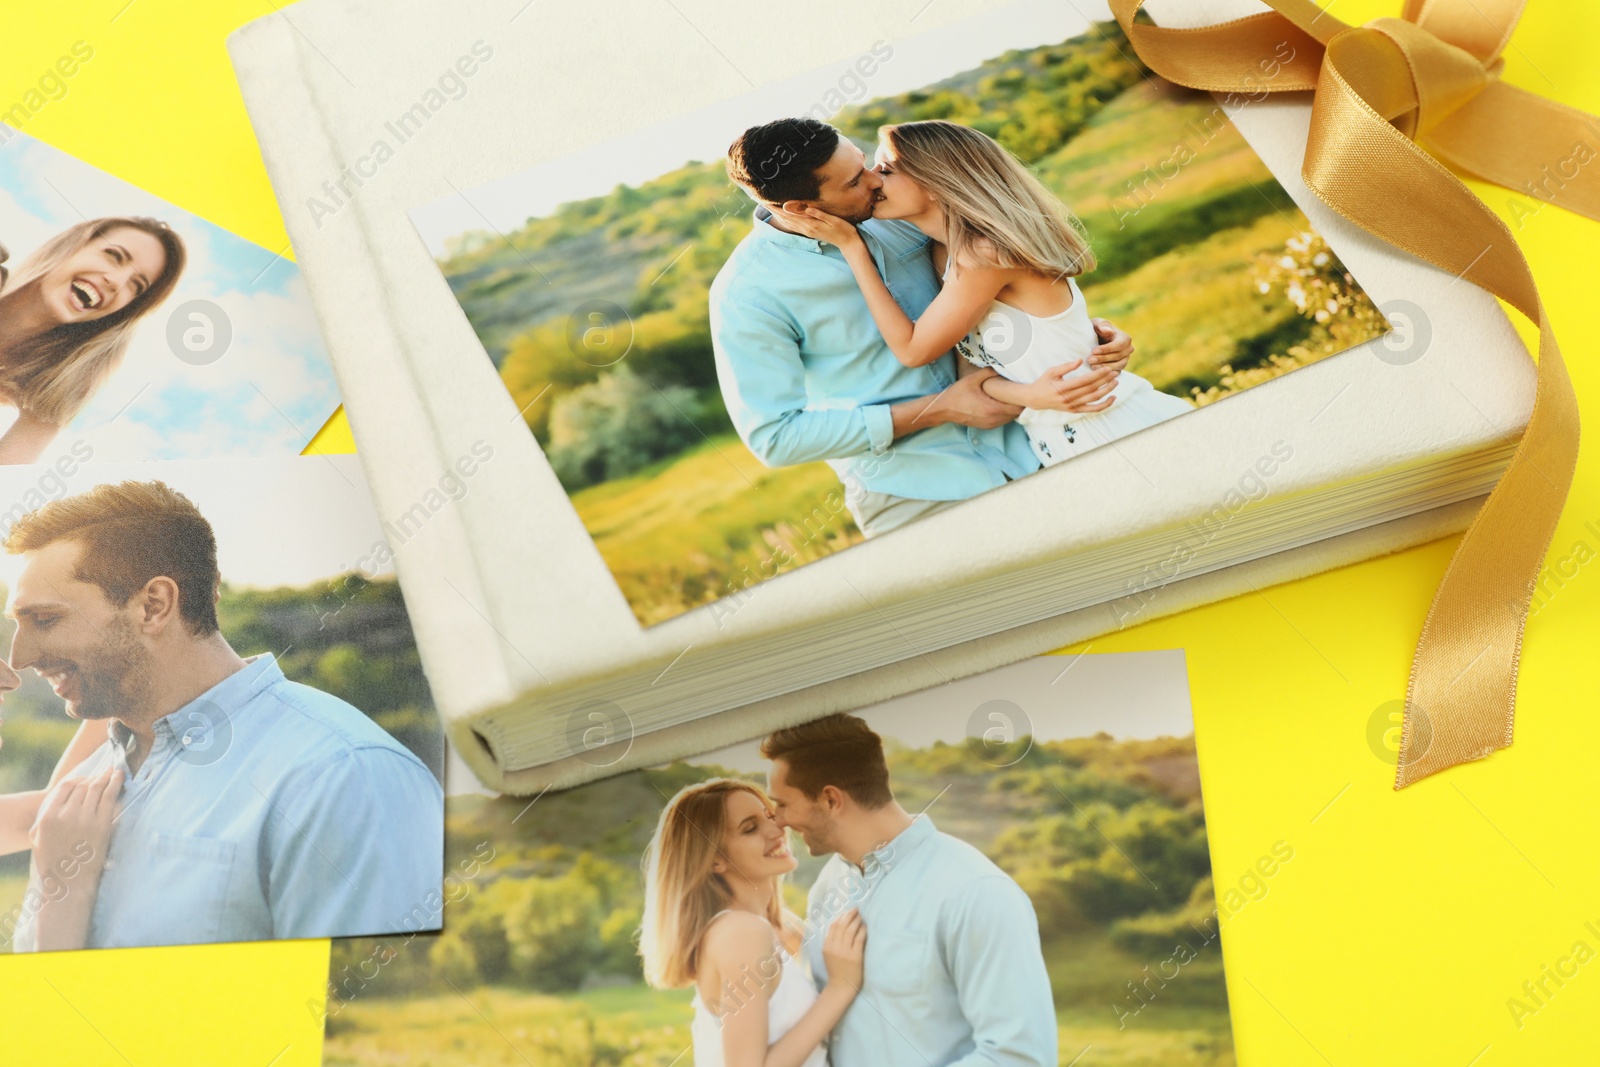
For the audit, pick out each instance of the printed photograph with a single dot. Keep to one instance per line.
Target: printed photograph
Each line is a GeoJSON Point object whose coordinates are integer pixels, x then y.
{"type": "Point", "coordinates": [757, 335]}
{"type": "Point", "coordinates": [216, 725]}
{"type": "Point", "coordinates": [135, 330]}
{"type": "Point", "coordinates": [1013, 868]}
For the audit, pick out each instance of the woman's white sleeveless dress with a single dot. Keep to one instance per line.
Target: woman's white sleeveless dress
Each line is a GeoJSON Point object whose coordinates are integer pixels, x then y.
{"type": "Point", "coordinates": [788, 1004]}
{"type": "Point", "coordinates": [1022, 347]}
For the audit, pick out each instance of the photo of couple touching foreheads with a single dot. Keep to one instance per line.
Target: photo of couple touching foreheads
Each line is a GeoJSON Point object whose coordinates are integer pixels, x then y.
{"type": "Point", "coordinates": [914, 949]}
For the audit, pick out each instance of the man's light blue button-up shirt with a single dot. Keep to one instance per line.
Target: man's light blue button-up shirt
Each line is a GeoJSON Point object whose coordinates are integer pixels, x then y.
{"type": "Point", "coordinates": [289, 814]}
{"type": "Point", "coordinates": [955, 973]}
{"type": "Point", "coordinates": [806, 374]}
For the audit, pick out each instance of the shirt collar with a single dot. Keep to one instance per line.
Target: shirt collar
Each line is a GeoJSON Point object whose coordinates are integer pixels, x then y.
{"type": "Point", "coordinates": [121, 737]}
{"type": "Point", "coordinates": [227, 696]}
{"type": "Point", "coordinates": [764, 228]}
{"type": "Point", "coordinates": [900, 845]}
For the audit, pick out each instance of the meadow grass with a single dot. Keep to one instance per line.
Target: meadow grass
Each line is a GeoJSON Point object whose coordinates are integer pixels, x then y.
{"type": "Point", "coordinates": [631, 1026]}
{"type": "Point", "coordinates": [510, 1028]}
{"type": "Point", "coordinates": [1193, 326]}
{"type": "Point", "coordinates": [12, 888]}
{"type": "Point", "coordinates": [677, 533]}
{"type": "Point", "coordinates": [1184, 1025]}
{"type": "Point", "coordinates": [1132, 153]}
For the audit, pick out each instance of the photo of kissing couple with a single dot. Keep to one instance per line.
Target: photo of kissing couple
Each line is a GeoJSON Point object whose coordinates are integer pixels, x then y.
{"type": "Point", "coordinates": [835, 318]}
{"type": "Point", "coordinates": [1007, 247]}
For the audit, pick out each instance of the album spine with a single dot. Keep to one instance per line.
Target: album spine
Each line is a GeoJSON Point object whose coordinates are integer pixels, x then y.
{"type": "Point", "coordinates": [291, 95]}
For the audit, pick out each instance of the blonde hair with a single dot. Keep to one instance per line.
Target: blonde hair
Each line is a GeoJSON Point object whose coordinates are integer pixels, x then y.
{"type": "Point", "coordinates": [996, 212]}
{"type": "Point", "coordinates": [53, 375]}
{"type": "Point", "coordinates": [682, 893]}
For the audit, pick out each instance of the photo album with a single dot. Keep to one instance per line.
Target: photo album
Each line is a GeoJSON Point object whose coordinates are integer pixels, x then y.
{"type": "Point", "coordinates": [912, 345]}
{"type": "Point", "coordinates": [1023, 852]}
{"type": "Point", "coordinates": [639, 578]}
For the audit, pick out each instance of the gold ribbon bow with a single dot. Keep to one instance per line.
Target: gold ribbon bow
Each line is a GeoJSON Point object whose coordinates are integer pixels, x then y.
{"type": "Point", "coordinates": [1387, 94]}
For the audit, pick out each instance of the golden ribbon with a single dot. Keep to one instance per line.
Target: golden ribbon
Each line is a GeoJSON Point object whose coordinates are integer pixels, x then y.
{"type": "Point", "coordinates": [1387, 94]}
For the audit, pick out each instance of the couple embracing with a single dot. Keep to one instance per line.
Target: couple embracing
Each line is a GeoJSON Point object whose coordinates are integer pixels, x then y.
{"type": "Point", "coordinates": [916, 949]}
{"type": "Point", "coordinates": [834, 321]}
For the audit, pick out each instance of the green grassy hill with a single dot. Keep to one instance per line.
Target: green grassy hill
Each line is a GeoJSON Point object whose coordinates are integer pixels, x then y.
{"type": "Point", "coordinates": [694, 528]}
{"type": "Point", "coordinates": [594, 249]}
{"type": "Point", "coordinates": [653, 249]}
{"type": "Point", "coordinates": [1180, 208]}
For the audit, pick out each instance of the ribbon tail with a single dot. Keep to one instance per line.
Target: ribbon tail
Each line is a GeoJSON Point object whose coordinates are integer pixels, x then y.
{"type": "Point", "coordinates": [1432, 73]}
{"type": "Point", "coordinates": [1460, 701]}
{"type": "Point", "coordinates": [1526, 143]}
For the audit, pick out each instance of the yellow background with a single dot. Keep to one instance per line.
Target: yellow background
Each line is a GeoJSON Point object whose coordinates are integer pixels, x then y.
{"type": "Point", "coordinates": [1404, 922]}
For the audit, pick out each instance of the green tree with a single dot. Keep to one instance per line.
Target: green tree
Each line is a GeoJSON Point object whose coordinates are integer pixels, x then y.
{"type": "Point", "coordinates": [553, 932]}
{"type": "Point", "coordinates": [474, 947]}
{"type": "Point", "coordinates": [617, 425]}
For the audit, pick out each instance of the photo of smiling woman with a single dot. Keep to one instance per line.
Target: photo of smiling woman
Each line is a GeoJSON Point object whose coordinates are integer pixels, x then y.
{"type": "Point", "coordinates": [68, 315]}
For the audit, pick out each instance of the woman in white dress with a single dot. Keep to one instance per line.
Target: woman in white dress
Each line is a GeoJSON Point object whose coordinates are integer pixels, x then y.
{"type": "Point", "coordinates": [714, 919]}
{"type": "Point", "coordinates": [1008, 251]}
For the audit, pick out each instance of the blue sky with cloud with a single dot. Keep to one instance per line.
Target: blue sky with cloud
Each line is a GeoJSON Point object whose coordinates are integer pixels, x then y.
{"type": "Point", "coordinates": [267, 395]}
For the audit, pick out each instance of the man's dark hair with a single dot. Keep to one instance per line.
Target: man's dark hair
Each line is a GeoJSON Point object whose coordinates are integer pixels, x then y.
{"type": "Point", "coordinates": [779, 160]}
{"type": "Point", "coordinates": [132, 532]}
{"type": "Point", "coordinates": [841, 751]}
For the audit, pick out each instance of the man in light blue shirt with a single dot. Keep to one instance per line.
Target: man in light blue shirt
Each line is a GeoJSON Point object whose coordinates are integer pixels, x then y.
{"type": "Point", "coordinates": [954, 970]}
{"type": "Point", "coordinates": [254, 807]}
{"type": "Point", "coordinates": [805, 373]}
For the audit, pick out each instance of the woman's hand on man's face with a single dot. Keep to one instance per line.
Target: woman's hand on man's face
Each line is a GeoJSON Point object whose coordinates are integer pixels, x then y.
{"type": "Point", "coordinates": [817, 224]}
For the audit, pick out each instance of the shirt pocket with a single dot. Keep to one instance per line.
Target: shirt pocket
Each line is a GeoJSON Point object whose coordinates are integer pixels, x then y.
{"type": "Point", "coordinates": [836, 328]}
{"type": "Point", "coordinates": [897, 966]}
{"type": "Point", "coordinates": [186, 884]}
